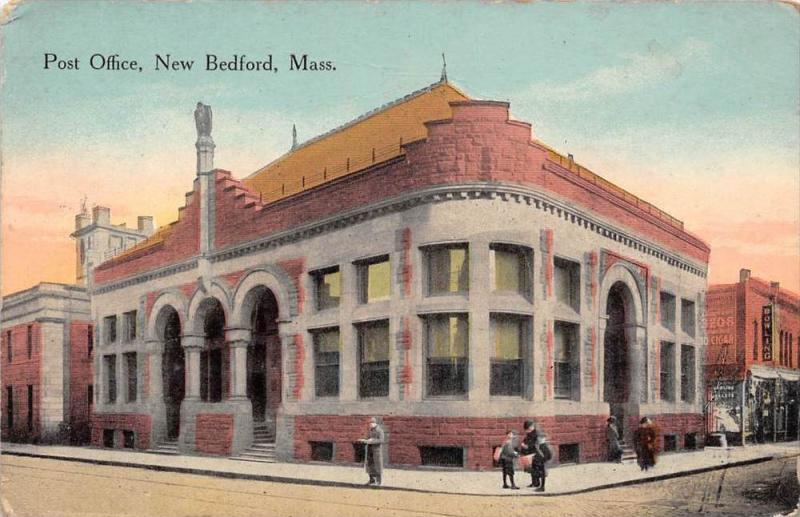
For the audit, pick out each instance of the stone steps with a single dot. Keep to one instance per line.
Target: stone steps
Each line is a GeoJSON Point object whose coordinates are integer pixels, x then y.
{"type": "Point", "coordinates": [168, 448]}
{"type": "Point", "coordinates": [263, 448]}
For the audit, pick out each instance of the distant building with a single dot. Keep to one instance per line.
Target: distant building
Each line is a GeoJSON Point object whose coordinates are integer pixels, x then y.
{"type": "Point", "coordinates": [753, 362]}
{"type": "Point", "coordinates": [430, 263]}
{"type": "Point", "coordinates": [48, 341]}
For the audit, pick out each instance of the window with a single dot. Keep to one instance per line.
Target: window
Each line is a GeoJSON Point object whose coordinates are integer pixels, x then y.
{"type": "Point", "coordinates": [9, 347]}
{"type": "Point", "coordinates": [328, 288]}
{"type": "Point", "coordinates": [569, 453]}
{"type": "Point", "coordinates": [30, 341]}
{"type": "Point", "coordinates": [567, 284]}
{"type": "Point", "coordinates": [667, 371]}
{"type": "Point", "coordinates": [667, 304]}
{"type": "Point", "coordinates": [447, 349]}
{"type": "Point", "coordinates": [670, 442]}
{"type": "Point", "coordinates": [108, 438]}
{"type": "Point", "coordinates": [128, 439]}
{"type": "Point", "coordinates": [90, 396]}
{"type": "Point", "coordinates": [130, 369]}
{"type": "Point", "coordinates": [30, 407]}
{"type": "Point", "coordinates": [442, 456]}
{"type": "Point", "coordinates": [129, 326]}
{"type": "Point", "coordinates": [373, 354]}
{"type": "Point", "coordinates": [374, 280]}
{"type": "Point", "coordinates": [687, 317]}
{"type": "Point", "coordinates": [110, 329]}
{"type": "Point", "coordinates": [508, 336]}
{"type": "Point", "coordinates": [111, 378]}
{"type": "Point", "coordinates": [511, 269]}
{"type": "Point", "coordinates": [327, 344]}
{"type": "Point", "coordinates": [89, 341]}
{"type": "Point", "coordinates": [448, 269]}
{"type": "Point", "coordinates": [566, 383]}
{"type": "Point", "coordinates": [10, 407]}
{"type": "Point", "coordinates": [321, 451]}
{"type": "Point", "coordinates": [687, 373]}
{"type": "Point", "coordinates": [211, 374]}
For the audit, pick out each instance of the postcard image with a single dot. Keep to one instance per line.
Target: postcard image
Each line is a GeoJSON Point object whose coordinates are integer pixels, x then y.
{"type": "Point", "coordinates": [399, 258]}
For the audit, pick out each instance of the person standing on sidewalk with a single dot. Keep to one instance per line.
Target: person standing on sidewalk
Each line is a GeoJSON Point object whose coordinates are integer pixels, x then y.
{"type": "Point", "coordinates": [646, 443]}
{"type": "Point", "coordinates": [541, 456]}
{"type": "Point", "coordinates": [507, 455]}
{"type": "Point", "coordinates": [528, 445]}
{"type": "Point", "coordinates": [373, 454]}
{"type": "Point", "coordinates": [612, 436]}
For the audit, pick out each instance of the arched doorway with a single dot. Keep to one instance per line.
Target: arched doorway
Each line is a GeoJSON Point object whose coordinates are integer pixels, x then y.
{"type": "Point", "coordinates": [617, 351]}
{"type": "Point", "coordinates": [214, 355]}
{"type": "Point", "coordinates": [172, 369]}
{"type": "Point", "coordinates": [264, 356]}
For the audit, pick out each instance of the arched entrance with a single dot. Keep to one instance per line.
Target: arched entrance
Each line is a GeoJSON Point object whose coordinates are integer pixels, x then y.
{"type": "Point", "coordinates": [264, 356]}
{"type": "Point", "coordinates": [214, 355]}
{"type": "Point", "coordinates": [172, 369]}
{"type": "Point", "coordinates": [617, 357]}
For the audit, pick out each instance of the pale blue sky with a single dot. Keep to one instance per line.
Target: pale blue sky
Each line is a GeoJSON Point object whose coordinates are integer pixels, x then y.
{"type": "Point", "coordinates": [667, 100]}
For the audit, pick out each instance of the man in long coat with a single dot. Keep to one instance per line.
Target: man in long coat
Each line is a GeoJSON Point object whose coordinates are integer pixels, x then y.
{"type": "Point", "coordinates": [373, 457]}
{"type": "Point", "coordinates": [612, 436]}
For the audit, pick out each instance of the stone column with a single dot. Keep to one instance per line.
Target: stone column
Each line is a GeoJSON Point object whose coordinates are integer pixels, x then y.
{"type": "Point", "coordinates": [155, 351]}
{"type": "Point", "coordinates": [192, 345]}
{"type": "Point", "coordinates": [238, 340]}
{"type": "Point", "coordinates": [480, 340]}
{"type": "Point", "coordinates": [602, 322]}
{"type": "Point", "coordinates": [637, 350]}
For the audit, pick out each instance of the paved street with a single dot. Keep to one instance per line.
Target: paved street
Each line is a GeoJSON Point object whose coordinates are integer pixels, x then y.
{"type": "Point", "coordinates": [44, 487]}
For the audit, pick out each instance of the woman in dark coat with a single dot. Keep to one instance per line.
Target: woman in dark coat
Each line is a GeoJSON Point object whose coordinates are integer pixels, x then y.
{"type": "Point", "coordinates": [646, 443]}
{"type": "Point", "coordinates": [612, 437]}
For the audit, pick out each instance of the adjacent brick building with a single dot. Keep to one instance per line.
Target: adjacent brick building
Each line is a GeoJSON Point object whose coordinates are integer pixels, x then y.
{"type": "Point", "coordinates": [430, 263]}
{"type": "Point", "coordinates": [753, 356]}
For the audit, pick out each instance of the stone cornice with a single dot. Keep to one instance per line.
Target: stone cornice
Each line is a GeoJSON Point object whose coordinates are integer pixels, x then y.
{"type": "Point", "coordinates": [509, 193]}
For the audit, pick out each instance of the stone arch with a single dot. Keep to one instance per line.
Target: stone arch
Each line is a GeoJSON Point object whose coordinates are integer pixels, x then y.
{"type": "Point", "coordinates": [249, 289]}
{"type": "Point", "coordinates": [620, 273]}
{"type": "Point", "coordinates": [170, 298]}
{"type": "Point", "coordinates": [197, 315]}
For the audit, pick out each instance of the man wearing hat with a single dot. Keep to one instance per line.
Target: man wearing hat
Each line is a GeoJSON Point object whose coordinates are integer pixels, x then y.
{"type": "Point", "coordinates": [528, 445]}
{"type": "Point", "coordinates": [373, 457]}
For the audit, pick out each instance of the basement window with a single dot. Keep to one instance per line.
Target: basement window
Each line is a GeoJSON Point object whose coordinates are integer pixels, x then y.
{"type": "Point", "coordinates": [128, 439]}
{"type": "Point", "coordinates": [442, 456]}
{"type": "Point", "coordinates": [569, 453]}
{"type": "Point", "coordinates": [670, 442]}
{"type": "Point", "coordinates": [359, 452]}
{"type": "Point", "coordinates": [108, 438]}
{"type": "Point", "coordinates": [321, 451]}
{"type": "Point", "coordinates": [690, 441]}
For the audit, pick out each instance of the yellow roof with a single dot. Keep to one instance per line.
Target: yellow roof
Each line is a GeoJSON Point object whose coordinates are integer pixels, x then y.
{"type": "Point", "coordinates": [374, 137]}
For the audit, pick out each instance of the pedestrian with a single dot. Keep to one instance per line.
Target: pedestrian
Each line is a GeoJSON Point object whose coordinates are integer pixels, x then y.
{"type": "Point", "coordinates": [646, 443]}
{"type": "Point", "coordinates": [541, 456]}
{"type": "Point", "coordinates": [528, 445]}
{"type": "Point", "coordinates": [612, 437]}
{"type": "Point", "coordinates": [507, 455]}
{"type": "Point", "coordinates": [373, 453]}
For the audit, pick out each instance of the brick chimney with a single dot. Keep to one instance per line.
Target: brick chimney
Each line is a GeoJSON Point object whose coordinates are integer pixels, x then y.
{"type": "Point", "coordinates": [744, 275]}
{"type": "Point", "coordinates": [101, 215]}
{"type": "Point", "coordinates": [145, 224]}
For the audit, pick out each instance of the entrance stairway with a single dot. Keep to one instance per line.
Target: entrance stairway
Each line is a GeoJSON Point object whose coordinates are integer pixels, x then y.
{"type": "Point", "coordinates": [168, 447]}
{"type": "Point", "coordinates": [263, 448]}
{"type": "Point", "coordinates": [628, 454]}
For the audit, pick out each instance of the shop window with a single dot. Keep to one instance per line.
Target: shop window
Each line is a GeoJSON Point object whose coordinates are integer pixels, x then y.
{"type": "Point", "coordinates": [30, 341]}
{"type": "Point", "coordinates": [108, 438]}
{"type": "Point", "coordinates": [667, 304]}
{"type": "Point", "coordinates": [687, 373]}
{"type": "Point", "coordinates": [327, 345]}
{"type": "Point", "coordinates": [511, 269]}
{"type": "Point", "coordinates": [129, 326]}
{"type": "Point", "coordinates": [321, 451]}
{"type": "Point", "coordinates": [30, 407]}
{"type": "Point", "coordinates": [667, 374]}
{"type": "Point", "coordinates": [670, 442]}
{"type": "Point", "coordinates": [447, 269]}
{"type": "Point", "coordinates": [130, 373]}
{"type": "Point", "coordinates": [10, 407]}
{"type": "Point", "coordinates": [110, 364]}
{"type": "Point", "coordinates": [128, 439]}
{"type": "Point", "coordinates": [569, 453]}
{"type": "Point", "coordinates": [447, 353]}
{"type": "Point", "coordinates": [328, 288]}
{"type": "Point", "coordinates": [507, 363]}
{"type": "Point", "coordinates": [442, 456]}
{"type": "Point", "coordinates": [566, 281]}
{"type": "Point", "coordinates": [110, 329]}
{"type": "Point", "coordinates": [566, 370]}
{"type": "Point", "coordinates": [687, 317]}
{"type": "Point", "coordinates": [373, 352]}
{"type": "Point", "coordinates": [374, 279]}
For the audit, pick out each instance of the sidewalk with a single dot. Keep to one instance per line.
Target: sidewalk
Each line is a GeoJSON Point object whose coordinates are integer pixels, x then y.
{"type": "Point", "coordinates": [568, 479]}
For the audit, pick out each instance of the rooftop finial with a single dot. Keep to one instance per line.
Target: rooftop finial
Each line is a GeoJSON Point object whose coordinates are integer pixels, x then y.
{"type": "Point", "coordinates": [444, 70]}
{"type": "Point", "coordinates": [294, 136]}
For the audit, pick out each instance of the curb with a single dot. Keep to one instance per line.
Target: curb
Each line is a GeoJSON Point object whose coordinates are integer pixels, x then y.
{"type": "Point", "coordinates": [343, 484]}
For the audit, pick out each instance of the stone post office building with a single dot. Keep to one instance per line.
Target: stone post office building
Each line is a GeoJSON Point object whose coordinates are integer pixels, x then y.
{"type": "Point", "coordinates": [430, 263]}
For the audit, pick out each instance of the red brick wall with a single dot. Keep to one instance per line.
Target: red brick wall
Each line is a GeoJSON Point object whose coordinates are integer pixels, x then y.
{"type": "Point", "coordinates": [479, 435]}
{"type": "Point", "coordinates": [20, 373]}
{"type": "Point", "coordinates": [80, 377]}
{"type": "Point", "coordinates": [214, 433]}
{"type": "Point", "coordinates": [140, 424]}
